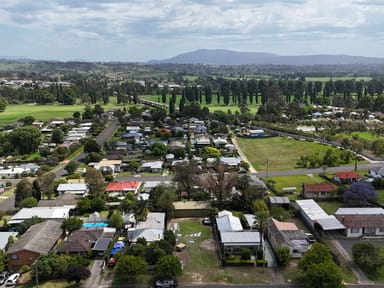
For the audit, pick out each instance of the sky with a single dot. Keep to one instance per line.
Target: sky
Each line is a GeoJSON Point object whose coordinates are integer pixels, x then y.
{"type": "Point", "coordinates": [142, 30]}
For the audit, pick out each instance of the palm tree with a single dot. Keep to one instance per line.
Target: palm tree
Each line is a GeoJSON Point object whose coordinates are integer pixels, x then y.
{"type": "Point", "coordinates": [261, 222]}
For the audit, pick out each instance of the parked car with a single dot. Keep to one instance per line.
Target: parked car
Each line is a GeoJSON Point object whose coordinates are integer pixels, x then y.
{"type": "Point", "coordinates": [207, 221]}
{"type": "Point", "coordinates": [165, 283]}
{"type": "Point", "coordinates": [309, 237]}
{"type": "Point", "coordinates": [4, 276]}
{"type": "Point", "coordinates": [11, 281]}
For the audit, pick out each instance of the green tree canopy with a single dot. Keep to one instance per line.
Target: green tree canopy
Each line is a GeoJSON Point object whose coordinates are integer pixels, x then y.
{"type": "Point", "coordinates": [168, 266]}
{"type": "Point", "coordinates": [130, 267]}
{"type": "Point", "coordinates": [25, 139]}
{"type": "Point", "coordinates": [72, 223]}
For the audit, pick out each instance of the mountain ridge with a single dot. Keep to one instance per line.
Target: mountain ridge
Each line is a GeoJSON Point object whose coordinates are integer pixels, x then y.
{"type": "Point", "coordinates": [231, 57]}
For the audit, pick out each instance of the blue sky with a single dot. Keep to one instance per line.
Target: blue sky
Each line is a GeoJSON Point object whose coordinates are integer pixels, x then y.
{"type": "Point", "coordinates": [141, 30]}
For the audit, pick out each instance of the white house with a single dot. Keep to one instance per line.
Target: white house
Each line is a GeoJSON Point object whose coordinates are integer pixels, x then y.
{"type": "Point", "coordinates": [365, 221]}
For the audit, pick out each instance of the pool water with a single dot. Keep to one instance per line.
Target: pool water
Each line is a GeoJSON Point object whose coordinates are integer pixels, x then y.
{"type": "Point", "coordinates": [100, 224]}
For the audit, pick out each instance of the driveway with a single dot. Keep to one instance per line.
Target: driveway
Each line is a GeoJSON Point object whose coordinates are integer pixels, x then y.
{"type": "Point", "coordinates": [344, 247]}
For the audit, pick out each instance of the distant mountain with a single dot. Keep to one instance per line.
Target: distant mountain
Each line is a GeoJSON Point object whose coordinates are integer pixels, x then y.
{"type": "Point", "coordinates": [13, 58]}
{"type": "Point", "coordinates": [229, 57]}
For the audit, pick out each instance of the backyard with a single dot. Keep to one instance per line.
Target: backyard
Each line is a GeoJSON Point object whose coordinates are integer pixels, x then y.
{"type": "Point", "coordinates": [201, 262]}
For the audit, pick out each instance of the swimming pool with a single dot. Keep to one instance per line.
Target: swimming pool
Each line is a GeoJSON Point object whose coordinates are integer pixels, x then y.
{"type": "Point", "coordinates": [99, 224]}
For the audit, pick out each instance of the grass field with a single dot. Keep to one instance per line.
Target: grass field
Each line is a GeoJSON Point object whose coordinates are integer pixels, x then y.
{"type": "Point", "coordinates": [279, 153]}
{"type": "Point", "coordinates": [295, 181]}
{"type": "Point", "coordinates": [44, 112]}
{"type": "Point", "coordinates": [325, 79]}
{"type": "Point", "coordinates": [214, 106]}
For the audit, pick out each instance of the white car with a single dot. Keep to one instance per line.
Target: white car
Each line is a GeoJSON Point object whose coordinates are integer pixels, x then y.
{"type": "Point", "coordinates": [11, 281]}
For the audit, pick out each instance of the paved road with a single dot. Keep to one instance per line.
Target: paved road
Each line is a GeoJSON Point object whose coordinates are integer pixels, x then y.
{"type": "Point", "coordinates": [100, 139]}
{"type": "Point", "coordinates": [138, 177]}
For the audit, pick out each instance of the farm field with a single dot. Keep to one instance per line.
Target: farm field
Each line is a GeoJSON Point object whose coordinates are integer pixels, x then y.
{"type": "Point", "coordinates": [278, 153]}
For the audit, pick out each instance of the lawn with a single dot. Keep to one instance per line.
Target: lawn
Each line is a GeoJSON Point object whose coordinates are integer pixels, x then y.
{"type": "Point", "coordinates": [295, 181]}
{"type": "Point", "coordinates": [203, 266]}
{"type": "Point", "coordinates": [278, 153]}
{"type": "Point", "coordinates": [44, 112]}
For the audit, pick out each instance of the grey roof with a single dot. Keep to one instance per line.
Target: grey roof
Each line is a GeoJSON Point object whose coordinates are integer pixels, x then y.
{"type": "Point", "coordinates": [279, 200]}
{"type": "Point", "coordinates": [240, 238]}
{"type": "Point", "coordinates": [330, 223]}
{"type": "Point", "coordinates": [231, 161]}
{"type": "Point", "coordinates": [57, 213]}
{"type": "Point", "coordinates": [39, 238]}
{"type": "Point", "coordinates": [228, 223]}
{"type": "Point", "coordinates": [312, 209]}
{"type": "Point", "coordinates": [4, 236]}
{"type": "Point", "coordinates": [155, 220]}
{"type": "Point", "coordinates": [102, 244]}
{"type": "Point", "coordinates": [73, 187]}
{"type": "Point", "coordinates": [360, 211]}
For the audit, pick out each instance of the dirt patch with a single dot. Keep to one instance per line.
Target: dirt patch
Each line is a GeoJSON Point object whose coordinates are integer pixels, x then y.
{"type": "Point", "coordinates": [208, 244]}
{"type": "Point", "coordinates": [183, 256]}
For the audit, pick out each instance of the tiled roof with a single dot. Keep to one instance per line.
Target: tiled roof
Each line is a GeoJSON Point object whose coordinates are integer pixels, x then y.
{"type": "Point", "coordinates": [285, 225]}
{"type": "Point", "coordinates": [347, 175]}
{"type": "Point", "coordinates": [39, 238]}
{"type": "Point", "coordinates": [365, 221]}
{"type": "Point", "coordinates": [123, 186]}
{"type": "Point", "coordinates": [80, 240]}
{"type": "Point", "coordinates": [320, 187]}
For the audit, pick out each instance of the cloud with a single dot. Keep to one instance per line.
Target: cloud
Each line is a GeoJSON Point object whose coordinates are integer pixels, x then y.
{"type": "Point", "coordinates": [189, 23]}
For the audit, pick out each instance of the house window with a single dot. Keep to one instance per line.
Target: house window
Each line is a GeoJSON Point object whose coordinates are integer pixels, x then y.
{"type": "Point", "coordinates": [14, 257]}
{"type": "Point", "coordinates": [369, 230]}
{"type": "Point", "coordinates": [381, 229]}
{"type": "Point", "coordinates": [355, 230]}
{"type": "Point", "coordinates": [323, 194]}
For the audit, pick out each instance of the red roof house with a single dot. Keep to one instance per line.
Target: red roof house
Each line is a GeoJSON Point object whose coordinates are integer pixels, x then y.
{"type": "Point", "coordinates": [122, 188]}
{"type": "Point", "coordinates": [318, 191]}
{"type": "Point", "coordinates": [346, 177]}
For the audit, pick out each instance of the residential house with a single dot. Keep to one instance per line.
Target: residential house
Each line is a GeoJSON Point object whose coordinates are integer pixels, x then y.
{"type": "Point", "coordinates": [233, 238]}
{"type": "Point", "coordinates": [102, 243]}
{"type": "Point", "coordinates": [318, 191]}
{"type": "Point", "coordinates": [202, 141]}
{"type": "Point", "coordinates": [152, 229]}
{"type": "Point", "coordinates": [219, 142]}
{"type": "Point", "coordinates": [153, 166]}
{"type": "Point", "coordinates": [120, 189]}
{"type": "Point", "coordinates": [80, 189]}
{"type": "Point", "coordinates": [132, 135]}
{"type": "Point", "coordinates": [200, 129]}
{"type": "Point", "coordinates": [286, 234]}
{"type": "Point", "coordinates": [59, 214]}
{"type": "Point", "coordinates": [4, 239]}
{"type": "Point", "coordinates": [227, 222]}
{"type": "Point", "coordinates": [112, 165]}
{"type": "Point", "coordinates": [233, 163]}
{"type": "Point", "coordinates": [376, 172]}
{"type": "Point", "coordinates": [346, 177]}
{"type": "Point", "coordinates": [80, 242]}
{"type": "Point", "coordinates": [38, 240]}
{"type": "Point", "coordinates": [362, 221]}
{"type": "Point", "coordinates": [149, 185]}
{"type": "Point", "coordinates": [60, 200]}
